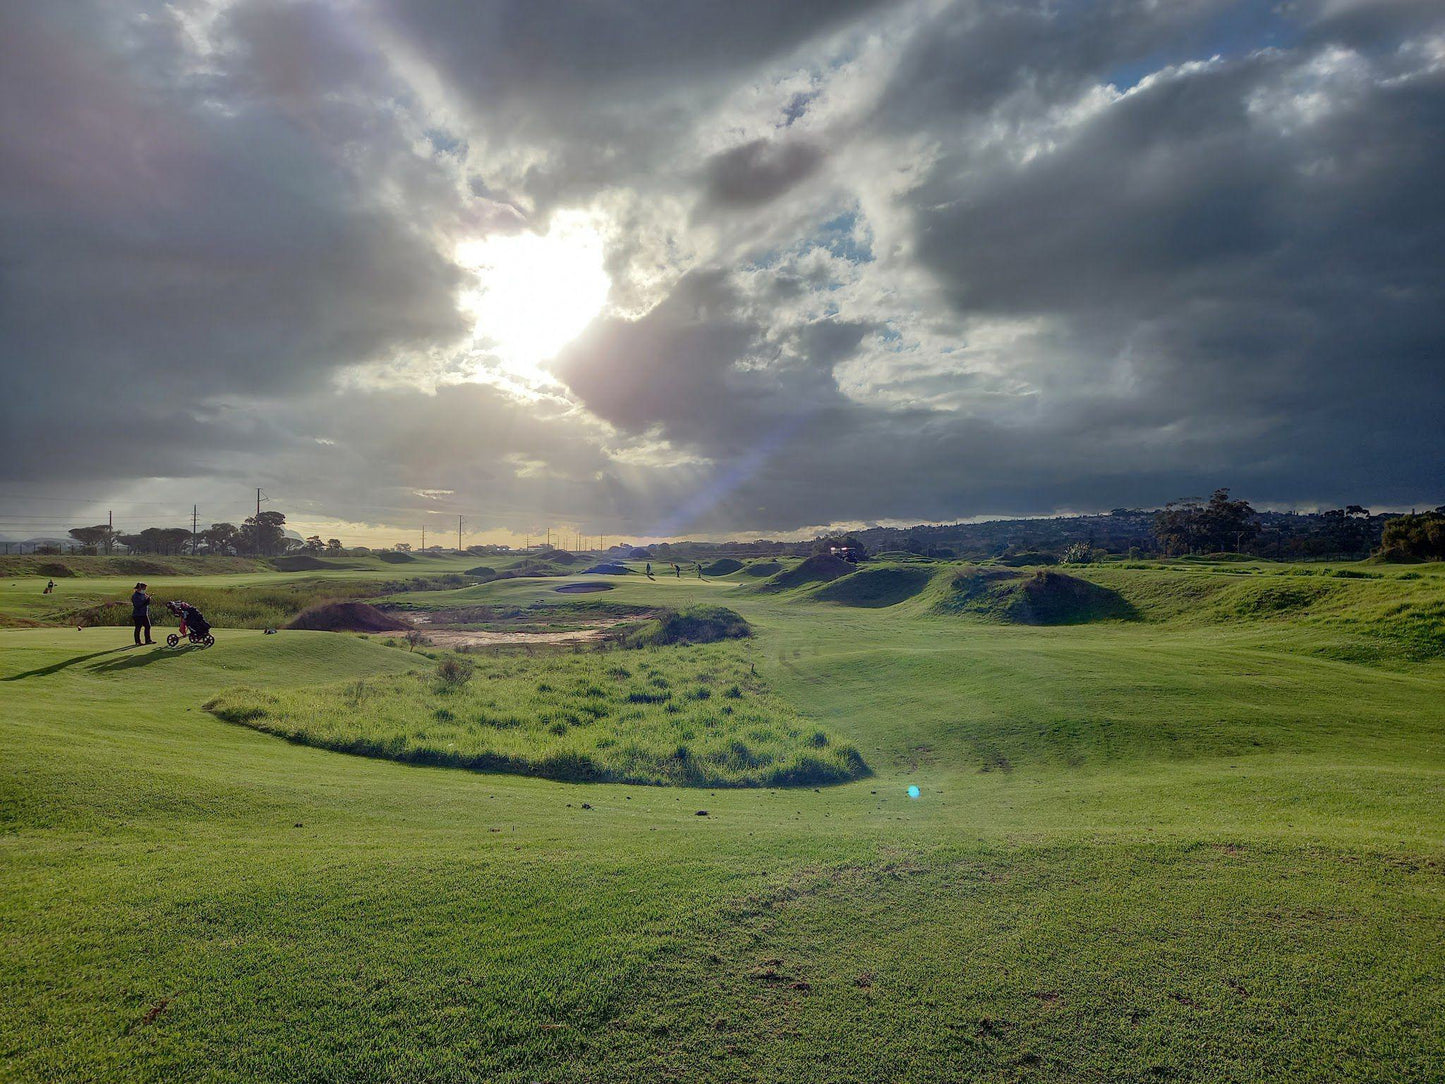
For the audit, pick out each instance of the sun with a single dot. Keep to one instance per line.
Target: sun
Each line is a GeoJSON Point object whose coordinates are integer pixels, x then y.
{"type": "Point", "coordinates": [534, 293]}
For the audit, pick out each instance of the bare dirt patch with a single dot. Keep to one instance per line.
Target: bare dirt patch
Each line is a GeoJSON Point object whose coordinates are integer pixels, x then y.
{"type": "Point", "coordinates": [454, 638]}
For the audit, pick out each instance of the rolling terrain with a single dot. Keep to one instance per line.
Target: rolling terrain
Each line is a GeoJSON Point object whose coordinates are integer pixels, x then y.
{"type": "Point", "coordinates": [1179, 821]}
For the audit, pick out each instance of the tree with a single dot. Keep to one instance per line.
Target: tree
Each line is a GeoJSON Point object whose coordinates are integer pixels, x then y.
{"type": "Point", "coordinates": [402, 547]}
{"type": "Point", "coordinates": [99, 537]}
{"type": "Point", "coordinates": [313, 545]}
{"type": "Point", "coordinates": [1348, 529]}
{"type": "Point", "coordinates": [1221, 525]}
{"type": "Point", "coordinates": [333, 545]}
{"type": "Point", "coordinates": [220, 537]}
{"type": "Point", "coordinates": [1177, 525]}
{"type": "Point", "coordinates": [1415, 537]}
{"type": "Point", "coordinates": [1227, 525]}
{"type": "Point", "coordinates": [263, 534]}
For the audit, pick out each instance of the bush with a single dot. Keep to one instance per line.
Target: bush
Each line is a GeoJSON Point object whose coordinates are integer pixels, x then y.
{"type": "Point", "coordinates": [455, 670]}
{"type": "Point", "coordinates": [694, 625]}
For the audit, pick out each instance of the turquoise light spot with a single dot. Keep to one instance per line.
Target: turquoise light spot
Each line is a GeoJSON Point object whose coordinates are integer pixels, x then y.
{"type": "Point", "coordinates": [914, 792]}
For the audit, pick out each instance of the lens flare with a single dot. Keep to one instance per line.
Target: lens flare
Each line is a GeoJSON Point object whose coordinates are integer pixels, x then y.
{"type": "Point", "coordinates": [914, 792]}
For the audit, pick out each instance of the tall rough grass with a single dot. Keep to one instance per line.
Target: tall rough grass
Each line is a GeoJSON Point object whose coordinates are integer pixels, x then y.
{"type": "Point", "coordinates": [695, 716]}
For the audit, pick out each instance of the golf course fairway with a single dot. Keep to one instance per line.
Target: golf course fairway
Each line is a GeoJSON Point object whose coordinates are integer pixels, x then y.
{"type": "Point", "coordinates": [1200, 838]}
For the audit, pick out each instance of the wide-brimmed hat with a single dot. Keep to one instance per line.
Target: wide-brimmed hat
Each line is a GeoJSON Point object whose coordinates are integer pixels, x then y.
{"type": "Point", "coordinates": [140, 587]}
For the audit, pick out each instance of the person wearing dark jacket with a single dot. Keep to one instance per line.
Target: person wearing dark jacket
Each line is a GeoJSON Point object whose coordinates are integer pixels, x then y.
{"type": "Point", "coordinates": [140, 613]}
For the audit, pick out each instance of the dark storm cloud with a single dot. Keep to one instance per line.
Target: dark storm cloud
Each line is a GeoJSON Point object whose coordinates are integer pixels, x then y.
{"type": "Point", "coordinates": [759, 171]}
{"type": "Point", "coordinates": [908, 260]}
{"type": "Point", "coordinates": [168, 237]}
{"type": "Point", "coordinates": [1252, 239]}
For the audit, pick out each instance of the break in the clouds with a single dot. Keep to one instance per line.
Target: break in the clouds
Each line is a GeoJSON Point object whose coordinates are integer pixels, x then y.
{"type": "Point", "coordinates": [691, 267]}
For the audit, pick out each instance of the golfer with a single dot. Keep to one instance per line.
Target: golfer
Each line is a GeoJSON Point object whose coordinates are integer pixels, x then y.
{"type": "Point", "coordinates": [140, 613]}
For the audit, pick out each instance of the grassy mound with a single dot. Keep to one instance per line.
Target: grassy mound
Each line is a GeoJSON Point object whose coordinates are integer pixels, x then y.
{"type": "Point", "coordinates": [1028, 558]}
{"type": "Point", "coordinates": [607, 570]}
{"type": "Point", "coordinates": [694, 625]}
{"type": "Point", "coordinates": [763, 568]}
{"type": "Point", "coordinates": [876, 587]}
{"type": "Point", "coordinates": [1044, 598]}
{"type": "Point", "coordinates": [32, 564]}
{"type": "Point", "coordinates": [394, 557]}
{"type": "Point", "coordinates": [483, 572]}
{"type": "Point", "coordinates": [347, 617]}
{"type": "Point", "coordinates": [695, 718]}
{"type": "Point", "coordinates": [532, 568]}
{"type": "Point", "coordinates": [252, 607]}
{"type": "Point", "coordinates": [820, 568]}
{"type": "Point", "coordinates": [723, 566]}
{"type": "Point", "coordinates": [304, 562]}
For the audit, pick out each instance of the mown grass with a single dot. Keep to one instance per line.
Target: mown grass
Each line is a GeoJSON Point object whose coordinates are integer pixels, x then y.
{"type": "Point", "coordinates": [695, 717]}
{"type": "Point", "coordinates": [241, 608]}
{"type": "Point", "coordinates": [1202, 845]}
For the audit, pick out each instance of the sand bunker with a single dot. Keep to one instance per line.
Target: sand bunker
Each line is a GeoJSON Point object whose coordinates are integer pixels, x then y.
{"type": "Point", "coordinates": [479, 638]}
{"type": "Point", "coordinates": [582, 588]}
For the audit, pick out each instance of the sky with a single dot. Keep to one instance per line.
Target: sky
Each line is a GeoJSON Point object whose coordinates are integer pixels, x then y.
{"type": "Point", "coordinates": [686, 268]}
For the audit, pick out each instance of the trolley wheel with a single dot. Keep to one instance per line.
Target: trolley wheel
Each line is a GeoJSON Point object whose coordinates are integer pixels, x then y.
{"type": "Point", "coordinates": [208, 639]}
{"type": "Point", "coordinates": [172, 640]}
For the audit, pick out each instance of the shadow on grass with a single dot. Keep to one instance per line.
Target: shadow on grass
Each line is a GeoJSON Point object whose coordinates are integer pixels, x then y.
{"type": "Point", "coordinates": [57, 667]}
{"type": "Point", "coordinates": [159, 655]}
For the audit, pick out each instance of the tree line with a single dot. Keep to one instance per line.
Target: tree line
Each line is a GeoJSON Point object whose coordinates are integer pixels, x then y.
{"type": "Point", "coordinates": [263, 535]}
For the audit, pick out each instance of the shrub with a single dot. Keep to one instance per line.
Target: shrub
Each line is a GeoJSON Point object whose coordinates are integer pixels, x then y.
{"type": "Point", "coordinates": [455, 670]}
{"type": "Point", "coordinates": [693, 625]}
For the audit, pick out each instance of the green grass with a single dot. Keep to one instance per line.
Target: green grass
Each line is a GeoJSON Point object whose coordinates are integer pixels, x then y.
{"type": "Point", "coordinates": [876, 586]}
{"type": "Point", "coordinates": [696, 717]}
{"type": "Point", "coordinates": [1204, 844]}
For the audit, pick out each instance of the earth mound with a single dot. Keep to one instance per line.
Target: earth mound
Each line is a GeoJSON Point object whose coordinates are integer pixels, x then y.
{"type": "Point", "coordinates": [876, 587]}
{"type": "Point", "coordinates": [347, 617]}
{"type": "Point", "coordinates": [763, 568]}
{"type": "Point", "coordinates": [55, 568]}
{"type": "Point", "coordinates": [820, 568]}
{"type": "Point", "coordinates": [529, 569]}
{"type": "Point", "coordinates": [606, 570]}
{"type": "Point", "coordinates": [581, 588]}
{"type": "Point", "coordinates": [394, 557]}
{"type": "Point", "coordinates": [302, 562]}
{"type": "Point", "coordinates": [1054, 598]}
{"type": "Point", "coordinates": [562, 557]}
{"type": "Point", "coordinates": [1045, 598]}
{"type": "Point", "coordinates": [139, 566]}
{"type": "Point", "coordinates": [694, 625]}
{"type": "Point", "coordinates": [485, 572]}
{"type": "Point", "coordinates": [723, 566]}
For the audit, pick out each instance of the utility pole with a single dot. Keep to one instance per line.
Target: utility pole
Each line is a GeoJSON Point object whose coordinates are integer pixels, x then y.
{"type": "Point", "coordinates": [259, 498]}
{"type": "Point", "coordinates": [423, 537]}
{"type": "Point", "coordinates": [193, 529]}
{"type": "Point", "coordinates": [459, 534]}
{"type": "Point", "coordinates": [110, 533]}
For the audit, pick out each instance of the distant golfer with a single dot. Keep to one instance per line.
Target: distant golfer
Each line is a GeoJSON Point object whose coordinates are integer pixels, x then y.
{"type": "Point", "coordinates": [140, 613]}
{"type": "Point", "coordinates": [649, 570]}
{"type": "Point", "coordinates": [49, 587]}
{"type": "Point", "coordinates": [697, 567]}
{"type": "Point", "coordinates": [677, 570]}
